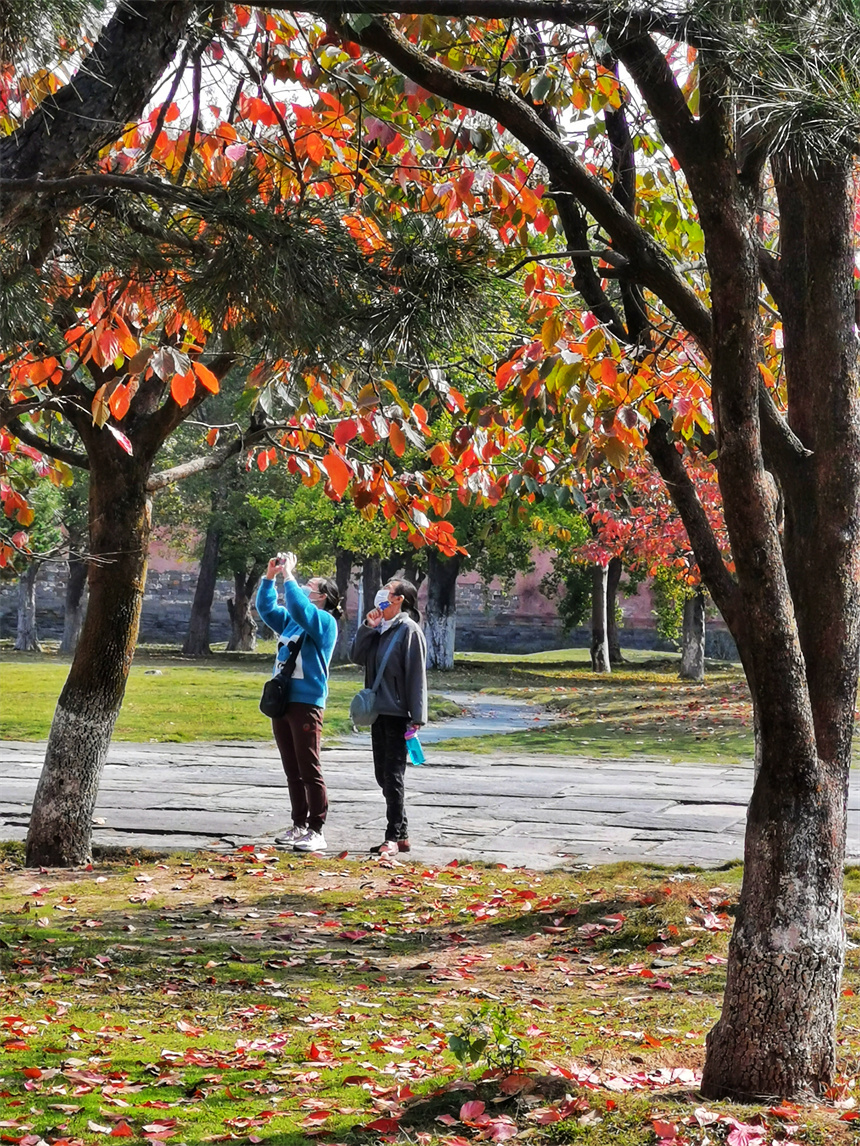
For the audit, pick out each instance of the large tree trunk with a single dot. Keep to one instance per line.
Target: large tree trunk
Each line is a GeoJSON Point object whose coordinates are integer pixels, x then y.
{"type": "Point", "coordinates": [800, 629]}
{"type": "Point", "coordinates": [613, 576]}
{"type": "Point", "coordinates": [73, 613]}
{"type": "Point", "coordinates": [599, 639]}
{"type": "Point", "coordinates": [26, 640]}
{"type": "Point", "coordinates": [343, 562]}
{"type": "Point", "coordinates": [693, 640]}
{"type": "Point", "coordinates": [440, 619]}
{"type": "Point", "coordinates": [243, 627]}
{"type": "Point", "coordinates": [61, 822]}
{"type": "Point", "coordinates": [197, 638]}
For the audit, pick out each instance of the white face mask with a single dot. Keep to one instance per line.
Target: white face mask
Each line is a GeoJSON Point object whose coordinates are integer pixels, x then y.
{"type": "Point", "coordinates": [381, 599]}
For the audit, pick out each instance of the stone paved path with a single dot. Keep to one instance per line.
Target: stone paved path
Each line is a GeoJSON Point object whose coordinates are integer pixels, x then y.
{"type": "Point", "coordinates": [540, 811]}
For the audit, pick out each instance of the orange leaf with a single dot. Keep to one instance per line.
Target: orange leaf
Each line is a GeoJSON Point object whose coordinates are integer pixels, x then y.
{"type": "Point", "coordinates": [212, 436]}
{"type": "Point", "coordinates": [608, 372]}
{"type": "Point", "coordinates": [207, 378]}
{"type": "Point", "coordinates": [397, 439]}
{"type": "Point", "coordinates": [439, 454]}
{"type": "Point", "coordinates": [339, 473]}
{"type": "Point", "coordinates": [263, 460]}
{"type": "Point", "coordinates": [183, 387]}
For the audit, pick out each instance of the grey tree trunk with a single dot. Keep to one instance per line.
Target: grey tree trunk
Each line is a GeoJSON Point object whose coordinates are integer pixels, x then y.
{"type": "Point", "coordinates": [371, 581]}
{"type": "Point", "coordinates": [440, 620]}
{"type": "Point", "coordinates": [693, 644]}
{"type": "Point", "coordinates": [75, 604]}
{"type": "Point", "coordinates": [26, 640]}
{"type": "Point", "coordinates": [243, 627]}
{"type": "Point", "coordinates": [197, 638]}
{"type": "Point", "coordinates": [343, 563]}
{"type": "Point", "coordinates": [599, 637]}
{"type": "Point", "coordinates": [613, 576]}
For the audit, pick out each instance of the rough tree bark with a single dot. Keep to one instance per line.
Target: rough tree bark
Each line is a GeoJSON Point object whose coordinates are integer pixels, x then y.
{"type": "Point", "coordinates": [693, 638]}
{"type": "Point", "coordinates": [243, 627]}
{"type": "Point", "coordinates": [61, 822]}
{"type": "Point", "coordinates": [75, 604]}
{"type": "Point", "coordinates": [440, 618]}
{"type": "Point", "coordinates": [777, 1031]}
{"type": "Point", "coordinates": [26, 640]}
{"type": "Point", "coordinates": [599, 637]}
{"type": "Point", "coordinates": [613, 576]}
{"type": "Point", "coordinates": [197, 638]}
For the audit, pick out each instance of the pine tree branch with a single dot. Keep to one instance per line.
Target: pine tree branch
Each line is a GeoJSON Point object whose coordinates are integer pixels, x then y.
{"type": "Point", "coordinates": [110, 88]}
{"type": "Point", "coordinates": [649, 263]}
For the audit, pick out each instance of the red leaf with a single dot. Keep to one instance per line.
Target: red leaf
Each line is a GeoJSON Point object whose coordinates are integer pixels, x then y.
{"type": "Point", "coordinates": [345, 431]}
{"type": "Point", "coordinates": [383, 1125]}
{"type": "Point", "coordinates": [471, 1109]}
{"type": "Point", "coordinates": [122, 1130]}
{"type": "Point", "coordinates": [339, 473]}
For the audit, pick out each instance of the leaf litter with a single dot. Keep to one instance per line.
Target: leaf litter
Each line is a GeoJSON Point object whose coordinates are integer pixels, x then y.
{"type": "Point", "coordinates": [317, 999]}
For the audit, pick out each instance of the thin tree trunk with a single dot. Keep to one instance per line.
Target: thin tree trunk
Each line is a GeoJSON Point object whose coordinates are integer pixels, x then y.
{"type": "Point", "coordinates": [413, 573]}
{"type": "Point", "coordinates": [197, 638]}
{"type": "Point", "coordinates": [693, 642]}
{"type": "Point", "coordinates": [440, 619]}
{"type": "Point", "coordinates": [73, 613]}
{"type": "Point", "coordinates": [243, 627]}
{"type": "Point", "coordinates": [371, 581]}
{"type": "Point", "coordinates": [26, 640]}
{"type": "Point", "coordinates": [119, 514]}
{"type": "Point", "coordinates": [343, 562]}
{"type": "Point", "coordinates": [599, 640]}
{"type": "Point", "coordinates": [613, 576]}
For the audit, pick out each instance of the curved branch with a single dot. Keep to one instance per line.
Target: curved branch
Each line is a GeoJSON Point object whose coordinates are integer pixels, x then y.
{"type": "Point", "coordinates": [649, 262]}
{"type": "Point", "coordinates": [59, 453]}
{"type": "Point", "coordinates": [211, 461]}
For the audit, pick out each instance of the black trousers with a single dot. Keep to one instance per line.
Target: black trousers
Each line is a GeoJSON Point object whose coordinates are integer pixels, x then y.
{"type": "Point", "coordinates": [388, 737]}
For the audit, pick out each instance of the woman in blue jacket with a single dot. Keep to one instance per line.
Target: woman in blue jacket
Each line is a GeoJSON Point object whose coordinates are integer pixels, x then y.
{"type": "Point", "coordinates": [311, 613]}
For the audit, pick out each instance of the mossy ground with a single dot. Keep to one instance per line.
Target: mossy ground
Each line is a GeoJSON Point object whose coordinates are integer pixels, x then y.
{"type": "Point", "coordinates": [264, 997]}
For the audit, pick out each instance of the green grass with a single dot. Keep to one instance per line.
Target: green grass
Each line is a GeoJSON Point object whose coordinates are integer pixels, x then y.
{"type": "Point", "coordinates": [266, 996]}
{"type": "Point", "coordinates": [172, 699]}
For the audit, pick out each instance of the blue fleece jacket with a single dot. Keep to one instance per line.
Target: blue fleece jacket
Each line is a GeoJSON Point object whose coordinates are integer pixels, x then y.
{"type": "Point", "coordinates": [296, 616]}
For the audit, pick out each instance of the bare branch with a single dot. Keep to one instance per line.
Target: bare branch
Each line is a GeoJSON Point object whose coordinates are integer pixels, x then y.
{"type": "Point", "coordinates": [60, 453]}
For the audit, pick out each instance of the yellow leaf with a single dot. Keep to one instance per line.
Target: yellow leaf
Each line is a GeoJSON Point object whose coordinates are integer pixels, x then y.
{"type": "Point", "coordinates": [551, 331]}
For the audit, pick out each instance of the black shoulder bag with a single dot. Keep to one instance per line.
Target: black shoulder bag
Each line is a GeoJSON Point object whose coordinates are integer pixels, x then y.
{"type": "Point", "coordinates": [276, 690]}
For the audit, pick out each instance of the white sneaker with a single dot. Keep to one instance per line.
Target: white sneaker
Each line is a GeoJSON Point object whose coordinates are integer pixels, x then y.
{"type": "Point", "coordinates": [291, 834]}
{"type": "Point", "coordinates": [310, 841]}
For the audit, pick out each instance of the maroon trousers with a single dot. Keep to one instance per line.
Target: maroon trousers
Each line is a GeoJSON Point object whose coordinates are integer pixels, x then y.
{"type": "Point", "coordinates": [297, 735]}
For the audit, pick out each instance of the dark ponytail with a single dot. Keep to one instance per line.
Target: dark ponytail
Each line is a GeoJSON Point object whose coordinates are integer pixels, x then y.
{"type": "Point", "coordinates": [409, 593]}
{"type": "Point", "coordinates": [333, 601]}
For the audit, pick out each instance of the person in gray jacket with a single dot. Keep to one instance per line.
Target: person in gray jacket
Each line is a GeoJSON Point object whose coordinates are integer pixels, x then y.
{"type": "Point", "coordinates": [401, 697]}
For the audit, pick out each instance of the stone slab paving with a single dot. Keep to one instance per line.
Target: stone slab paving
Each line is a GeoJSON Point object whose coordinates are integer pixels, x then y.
{"type": "Point", "coordinates": [503, 808]}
